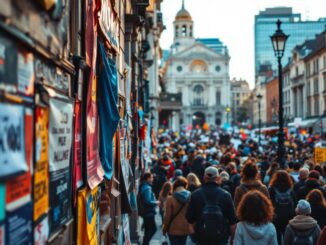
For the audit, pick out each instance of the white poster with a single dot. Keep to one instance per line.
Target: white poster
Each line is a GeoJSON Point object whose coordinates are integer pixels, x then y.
{"type": "Point", "coordinates": [60, 134]}
{"type": "Point", "coordinates": [41, 232]}
{"type": "Point", "coordinates": [12, 140]}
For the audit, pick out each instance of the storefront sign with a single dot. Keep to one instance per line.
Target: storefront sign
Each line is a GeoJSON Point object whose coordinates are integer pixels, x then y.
{"type": "Point", "coordinates": [320, 155]}
{"type": "Point", "coordinates": [60, 134]}
{"type": "Point", "coordinates": [25, 72]}
{"type": "Point", "coordinates": [94, 169]}
{"type": "Point", "coordinates": [19, 228]}
{"type": "Point", "coordinates": [78, 179]}
{"type": "Point", "coordinates": [51, 75]}
{"type": "Point", "coordinates": [18, 189]}
{"type": "Point", "coordinates": [41, 232]}
{"type": "Point", "coordinates": [41, 176]}
{"type": "Point", "coordinates": [12, 145]}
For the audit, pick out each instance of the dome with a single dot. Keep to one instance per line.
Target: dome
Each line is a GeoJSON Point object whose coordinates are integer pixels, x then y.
{"type": "Point", "coordinates": [183, 14]}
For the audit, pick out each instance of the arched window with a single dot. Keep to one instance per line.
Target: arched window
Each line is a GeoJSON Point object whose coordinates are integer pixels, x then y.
{"type": "Point", "coordinates": [198, 66]}
{"type": "Point", "coordinates": [190, 32]}
{"type": "Point", "coordinates": [184, 30]}
{"type": "Point", "coordinates": [198, 92]}
{"type": "Point", "coordinates": [176, 31]}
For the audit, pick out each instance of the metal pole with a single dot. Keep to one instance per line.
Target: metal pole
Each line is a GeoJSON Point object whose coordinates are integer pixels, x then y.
{"type": "Point", "coordinates": [281, 148]}
{"type": "Point", "coordinates": [259, 122]}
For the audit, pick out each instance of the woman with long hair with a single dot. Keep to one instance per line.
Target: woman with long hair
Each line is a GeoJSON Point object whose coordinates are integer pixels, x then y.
{"type": "Point", "coordinates": [284, 201]}
{"type": "Point", "coordinates": [164, 193]}
{"type": "Point", "coordinates": [255, 212]}
{"type": "Point", "coordinates": [193, 182]}
{"type": "Point", "coordinates": [175, 223]}
{"type": "Point", "coordinates": [318, 207]}
{"type": "Point", "coordinates": [270, 172]}
{"type": "Point", "coordinates": [249, 181]}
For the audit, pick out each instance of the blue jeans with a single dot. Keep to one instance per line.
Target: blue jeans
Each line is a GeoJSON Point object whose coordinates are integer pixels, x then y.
{"type": "Point", "coordinates": [178, 240]}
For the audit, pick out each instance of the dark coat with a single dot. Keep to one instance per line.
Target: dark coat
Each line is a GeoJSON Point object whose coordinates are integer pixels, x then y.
{"type": "Point", "coordinates": [310, 184]}
{"type": "Point", "coordinates": [318, 212]}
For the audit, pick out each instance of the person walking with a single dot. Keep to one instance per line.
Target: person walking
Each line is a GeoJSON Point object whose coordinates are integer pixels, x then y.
{"type": "Point", "coordinates": [255, 212]}
{"type": "Point", "coordinates": [212, 211]}
{"type": "Point", "coordinates": [193, 182]}
{"type": "Point", "coordinates": [311, 183]}
{"type": "Point", "coordinates": [163, 196]}
{"type": "Point", "coordinates": [318, 207]}
{"type": "Point", "coordinates": [249, 181]}
{"type": "Point", "coordinates": [303, 176]}
{"type": "Point", "coordinates": [148, 205]}
{"type": "Point", "coordinates": [302, 229]}
{"type": "Point", "coordinates": [175, 223]}
{"type": "Point", "coordinates": [284, 201]}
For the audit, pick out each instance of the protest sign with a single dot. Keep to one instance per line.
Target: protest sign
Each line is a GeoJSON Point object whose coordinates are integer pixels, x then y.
{"type": "Point", "coordinates": [320, 155]}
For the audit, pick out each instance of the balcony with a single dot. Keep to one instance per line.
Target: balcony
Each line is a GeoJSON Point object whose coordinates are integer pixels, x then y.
{"type": "Point", "coordinates": [169, 101]}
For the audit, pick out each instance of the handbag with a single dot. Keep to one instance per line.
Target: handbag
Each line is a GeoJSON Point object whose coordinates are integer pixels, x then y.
{"type": "Point", "coordinates": [166, 229]}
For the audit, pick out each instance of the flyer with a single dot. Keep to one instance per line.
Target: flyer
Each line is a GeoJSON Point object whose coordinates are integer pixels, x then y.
{"type": "Point", "coordinates": [12, 145]}
{"type": "Point", "coordinates": [25, 72]}
{"type": "Point", "coordinates": [41, 232]}
{"type": "Point", "coordinates": [41, 176]}
{"type": "Point", "coordinates": [78, 178]}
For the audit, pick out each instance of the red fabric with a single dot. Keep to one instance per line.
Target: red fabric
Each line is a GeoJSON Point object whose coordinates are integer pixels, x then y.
{"type": "Point", "coordinates": [170, 171]}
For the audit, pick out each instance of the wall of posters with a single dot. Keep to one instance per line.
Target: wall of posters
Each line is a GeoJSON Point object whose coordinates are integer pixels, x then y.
{"type": "Point", "coordinates": [25, 72]}
{"type": "Point", "coordinates": [18, 189]}
{"type": "Point", "coordinates": [12, 145]}
{"type": "Point", "coordinates": [41, 232]}
{"type": "Point", "coordinates": [78, 178]}
{"type": "Point", "coordinates": [19, 225]}
{"type": "Point", "coordinates": [41, 176]}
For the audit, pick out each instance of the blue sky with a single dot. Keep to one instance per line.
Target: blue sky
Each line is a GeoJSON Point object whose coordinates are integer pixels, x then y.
{"type": "Point", "coordinates": [233, 22]}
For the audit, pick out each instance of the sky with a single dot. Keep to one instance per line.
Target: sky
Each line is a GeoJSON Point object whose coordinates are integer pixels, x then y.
{"type": "Point", "coordinates": [232, 21]}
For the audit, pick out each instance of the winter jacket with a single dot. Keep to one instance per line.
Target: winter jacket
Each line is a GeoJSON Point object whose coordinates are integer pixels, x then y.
{"type": "Point", "coordinates": [302, 225]}
{"type": "Point", "coordinates": [246, 186]}
{"type": "Point", "coordinates": [179, 225]}
{"type": "Point", "coordinates": [318, 212]}
{"type": "Point", "coordinates": [310, 184]}
{"type": "Point", "coordinates": [148, 199]}
{"type": "Point", "coordinates": [322, 237]}
{"type": "Point", "coordinates": [246, 234]}
{"type": "Point", "coordinates": [169, 167]}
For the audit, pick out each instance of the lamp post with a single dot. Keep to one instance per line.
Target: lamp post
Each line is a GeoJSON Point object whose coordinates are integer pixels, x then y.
{"type": "Point", "coordinates": [228, 110]}
{"type": "Point", "coordinates": [259, 97]}
{"type": "Point", "coordinates": [278, 41]}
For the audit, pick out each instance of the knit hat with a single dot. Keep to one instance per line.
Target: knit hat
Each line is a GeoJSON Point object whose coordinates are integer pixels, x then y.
{"type": "Point", "coordinates": [178, 172]}
{"type": "Point", "coordinates": [303, 207]}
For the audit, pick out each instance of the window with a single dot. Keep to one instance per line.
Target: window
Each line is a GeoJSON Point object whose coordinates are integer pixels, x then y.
{"type": "Point", "coordinates": [184, 30]}
{"type": "Point", "coordinates": [176, 31]}
{"type": "Point", "coordinates": [190, 32]}
{"type": "Point", "coordinates": [218, 98]}
{"type": "Point", "coordinates": [179, 68]}
{"type": "Point", "coordinates": [316, 87]}
{"type": "Point", "coordinates": [316, 106]}
{"type": "Point", "coordinates": [198, 92]}
{"type": "Point", "coordinates": [217, 68]}
{"type": "Point", "coordinates": [325, 83]}
{"type": "Point", "coordinates": [296, 71]}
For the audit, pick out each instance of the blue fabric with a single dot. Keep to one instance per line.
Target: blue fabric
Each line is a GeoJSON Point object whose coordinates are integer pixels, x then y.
{"type": "Point", "coordinates": [108, 112]}
{"type": "Point", "coordinates": [149, 199]}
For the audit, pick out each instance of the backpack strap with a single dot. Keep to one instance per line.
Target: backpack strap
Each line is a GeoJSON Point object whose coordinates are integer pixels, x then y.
{"type": "Point", "coordinates": [176, 214]}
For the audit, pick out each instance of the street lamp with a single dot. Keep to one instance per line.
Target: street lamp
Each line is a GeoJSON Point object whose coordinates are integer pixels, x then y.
{"type": "Point", "coordinates": [279, 41]}
{"type": "Point", "coordinates": [228, 110]}
{"type": "Point", "coordinates": [259, 97]}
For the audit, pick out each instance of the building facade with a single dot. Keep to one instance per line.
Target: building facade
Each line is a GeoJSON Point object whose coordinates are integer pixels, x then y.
{"type": "Point", "coordinates": [198, 70]}
{"type": "Point", "coordinates": [292, 24]}
{"type": "Point", "coordinates": [240, 92]}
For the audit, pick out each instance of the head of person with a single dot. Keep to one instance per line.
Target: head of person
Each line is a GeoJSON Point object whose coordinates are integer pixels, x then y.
{"type": "Point", "coordinates": [177, 173]}
{"type": "Point", "coordinates": [148, 177]}
{"type": "Point", "coordinates": [193, 180]}
{"type": "Point", "coordinates": [296, 166]}
{"type": "Point", "coordinates": [255, 208]}
{"type": "Point", "coordinates": [224, 176]}
{"type": "Point", "coordinates": [281, 178]}
{"type": "Point", "coordinates": [180, 182]}
{"type": "Point", "coordinates": [303, 173]}
{"type": "Point", "coordinates": [166, 189]}
{"type": "Point", "coordinates": [249, 171]}
{"type": "Point", "coordinates": [319, 169]}
{"type": "Point", "coordinates": [211, 175]}
{"type": "Point", "coordinates": [303, 208]}
{"type": "Point", "coordinates": [316, 197]}
{"type": "Point", "coordinates": [314, 175]}
{"type": "Point", "coordinates": [273, 168]}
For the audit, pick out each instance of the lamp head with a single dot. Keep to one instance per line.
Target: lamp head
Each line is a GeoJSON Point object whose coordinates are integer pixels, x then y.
{"type": "Point", "coordinates": [279, 41]}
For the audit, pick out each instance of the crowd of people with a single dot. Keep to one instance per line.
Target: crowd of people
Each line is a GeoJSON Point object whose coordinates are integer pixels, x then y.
{"type": "Point", "coordinates": [222, 188]}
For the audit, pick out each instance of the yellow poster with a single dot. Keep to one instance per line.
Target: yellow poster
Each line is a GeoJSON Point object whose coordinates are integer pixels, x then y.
{"type": "Point", "coordinates": [41, 179]}
{"type": "Point", "coordinates": [87, 233]}
{"type": "Point", "coordinates": [320, 155]}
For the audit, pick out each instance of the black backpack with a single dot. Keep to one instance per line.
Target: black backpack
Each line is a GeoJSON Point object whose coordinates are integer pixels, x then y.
{"type": "Point", "coordinates": [284, 204]}
{"type": "Point", "coordinates": [300, 239]}
{"type": "Point", "coordinates": [140, 203]}
{"type": "Point", "coordinates": [212, 226]}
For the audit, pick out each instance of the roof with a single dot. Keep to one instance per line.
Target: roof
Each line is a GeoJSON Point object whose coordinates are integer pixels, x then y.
{"type": "Point", "coordinates": [214, 44]}
{"type": "Point", "coordinates": [183, 14]}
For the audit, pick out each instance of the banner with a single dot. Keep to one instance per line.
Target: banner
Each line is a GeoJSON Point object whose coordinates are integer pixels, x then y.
{"type": "Point", "coordinates": [25, 72]}
{"type": "Point", "coordinates": [78, 178]}
{"type": "Point", "coordinates": [41, 174]}
{"type": "Point", "coordinates": [18, 189]}
{"type": "Point", "coordinates": [41, 232]}
{"type": "Point", "coordinates": [88, 208]}
{"type": "Point", "coordinates": [60, 134]}
{"type": "Point", "coordinates": [19, 226]}
{"type": "Point", "coordinates": [94, 170]}
{"type": "Point", "coordinates": [12, 145]}
{"type": "Point", "coordinates": [108, 112]}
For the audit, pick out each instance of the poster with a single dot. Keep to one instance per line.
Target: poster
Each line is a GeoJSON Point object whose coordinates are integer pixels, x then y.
{"type": "Point", "coordinates": [41, 176]}
{"type": "Point", "coordinates": [19, 225]}
{"type": "Point", "coordinates": [126, 228]}
{"type": "Point", "coordinates": [320, 155]}
{"type": "Point", "coordinates": [94, 170]}
{"type": "Point", "coordinates": [41, 232]}
{"type": "Point", "coordinates": [2, 202]}
{"type": "Point", "coordinates": [88, 207]}
{"type": "Point", "coordinates": [25, 72]}
{"type": "Point", "coordinates": [2, 234]}
{"type": "Point", "coordinates": [12, 145]}
{"type": "Point", "coordinates": [60, 134]}
{"type": "Point", "coordinates": [18, 189]}
{"type": "Point", "coordinates": [78, 178]}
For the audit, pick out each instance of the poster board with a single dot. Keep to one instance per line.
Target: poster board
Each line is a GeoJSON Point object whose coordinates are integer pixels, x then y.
{"type": "Point", "coordinates": [320, 155]}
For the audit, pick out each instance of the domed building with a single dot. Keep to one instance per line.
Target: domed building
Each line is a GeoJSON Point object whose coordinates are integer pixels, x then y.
{"type": "Point", "coordinates": [196, 79]}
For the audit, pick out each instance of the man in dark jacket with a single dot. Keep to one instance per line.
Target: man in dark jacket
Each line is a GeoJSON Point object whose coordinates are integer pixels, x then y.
{"type": "Point", "coordinates": [303, 176]}
{"type": "Point", "coordinates": [311, 183]}
{"type": "Point", "coordinates": [211, 190]}
{"type": "Point", "coordinates": [149, 203]}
